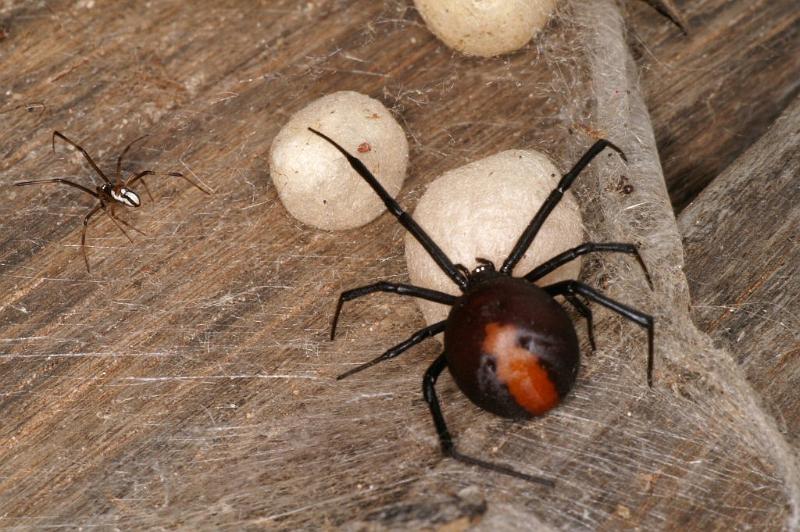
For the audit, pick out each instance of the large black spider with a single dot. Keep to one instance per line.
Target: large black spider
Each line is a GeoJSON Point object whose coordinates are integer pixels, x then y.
{"type": "Point", "coordinates": [511, 348]}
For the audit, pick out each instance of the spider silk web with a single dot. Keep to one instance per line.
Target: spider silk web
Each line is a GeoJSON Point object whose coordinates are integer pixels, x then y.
{"type": "Point", "coordinates": [188, 381]}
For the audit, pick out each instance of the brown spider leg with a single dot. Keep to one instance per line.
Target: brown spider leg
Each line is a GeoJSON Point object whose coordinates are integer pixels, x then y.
{"type": "Point", "coordinates": [140, 177]}
{"type": "Point", "coordinates": [84, 152]}
{"type": "Point", "coordinates": [83, 233]}
{"type": "Point", "coordinates": [186, 178]}
{"type": "Point", "coordinates": [550, 203]}
{"type": "Point", "coordinates": [58, 180]}
{"type": "Point", "coordinates": [588, 247]}
{"type": "Point", "coordinates": [402, 216]}
{"type": "Point", "coordinates": [130, 226]}
{"type": "Point", "coordinates": [446, 441]}
{"type": "Point", "coordinates": [117, 223]}
{"type": "Point", "coordinates": [146, 189]}
{"type": "Point", "coordinates": [86, 218]}
{"type": "Point", "coordinates": [417, 337]}
{"type": "Point", "coordinates": [645, 320]}
{"type": "Point", "coordinates": [121, 155]}
{"type": "Point", "coordinates": [395, 288]}
{"type": "Point", "coordinates": [117, 220]}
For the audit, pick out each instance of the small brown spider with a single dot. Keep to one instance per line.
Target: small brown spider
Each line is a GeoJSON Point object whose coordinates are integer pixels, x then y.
{"type": "Point", "coordinates": [110, 194]}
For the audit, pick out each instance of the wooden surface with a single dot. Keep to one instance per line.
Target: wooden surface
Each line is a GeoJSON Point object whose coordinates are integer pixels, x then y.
{"type": "Point", "coordinates": [715, 92]}
{"type": "Point", "coordinates": [750, 215]}
{"type": "Point", "coordinates": [187, 380]}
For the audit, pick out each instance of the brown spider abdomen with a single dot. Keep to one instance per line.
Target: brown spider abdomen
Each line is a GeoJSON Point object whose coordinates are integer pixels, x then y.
{"type": "Point", "coordinates": [511, 348]}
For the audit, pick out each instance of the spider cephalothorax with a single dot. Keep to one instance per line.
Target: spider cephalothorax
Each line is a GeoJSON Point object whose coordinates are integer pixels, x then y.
{"type": "Point", "coordinates": [509, 345]}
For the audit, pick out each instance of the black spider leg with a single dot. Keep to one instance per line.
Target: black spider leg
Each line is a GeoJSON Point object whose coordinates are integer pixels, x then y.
{"type": "Point", "coordinates": [645, 320]}
{"type": "Point", "coordinates": [446, 441]}
{"type": "Point", "coordinates": [584, 311]}
{"type": "Point", "coordinates": [588, 247]}
{"type": "Point", "coordinates": [550, 203]}
{"type": "Point", "coordinates": [83, 152]}
{"type": "Point", "coordinates": [405, 220]}
{"type": "Point", "coordinates": [422, 334]}
{"type": "Point", "coordinates": [395, 288]}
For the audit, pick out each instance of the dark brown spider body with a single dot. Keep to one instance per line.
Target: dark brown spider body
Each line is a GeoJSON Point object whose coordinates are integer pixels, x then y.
{"type": "Point", "coordinates": [508, 344]}
{"type": "Point", "coordinates": [511, 348]}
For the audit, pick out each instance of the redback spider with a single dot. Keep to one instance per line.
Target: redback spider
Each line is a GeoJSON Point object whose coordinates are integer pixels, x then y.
{"type": "Point", "coordinates": [511, 348]}
{"type": "Point", "coordinates": [109, 194]}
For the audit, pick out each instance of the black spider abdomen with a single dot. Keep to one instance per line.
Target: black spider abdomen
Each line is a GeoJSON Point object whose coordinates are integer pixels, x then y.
{"type": "Point", "coordinates": [511, 348]}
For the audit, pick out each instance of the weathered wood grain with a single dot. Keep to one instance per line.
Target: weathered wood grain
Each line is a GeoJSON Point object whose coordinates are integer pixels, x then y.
{"type": "Point", "coordinates": [671, 11]}
{"type": "Point", "coordinates": [716, 91]}
{"type": "Point", "coordinates": [188, 382]}
{"type": "Point", "coordinates": [742, 237]}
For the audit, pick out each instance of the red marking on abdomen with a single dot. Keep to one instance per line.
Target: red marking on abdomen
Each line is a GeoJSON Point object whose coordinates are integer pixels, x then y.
{"type": "Point", "coordinates": [519, 369]}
